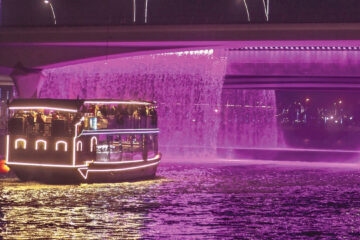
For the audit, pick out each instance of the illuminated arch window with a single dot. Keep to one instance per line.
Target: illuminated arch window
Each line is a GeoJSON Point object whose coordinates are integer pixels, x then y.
{"type": "Point", "coordinates": [61, 143]}
{"type": "Point", "coordinates": [79, 146]}
{"type": "Point", "coordinates": [40, 144]}
{"type": "Point", "coordinates": [93, 143]}
{"type": "Point", "coordinates": [20, 143]}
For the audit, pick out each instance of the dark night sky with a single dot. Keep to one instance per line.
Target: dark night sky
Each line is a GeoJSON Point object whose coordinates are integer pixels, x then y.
{"type": "Point", "coordinates": [114, 12]}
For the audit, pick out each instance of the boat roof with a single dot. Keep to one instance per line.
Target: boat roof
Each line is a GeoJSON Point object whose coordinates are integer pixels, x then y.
{"type": "Point", "coordinates": [117, 101]}
{"type": "Point", "coordinates": [69, 104]}
{"type": "Point", "coordinates": [33, 103]}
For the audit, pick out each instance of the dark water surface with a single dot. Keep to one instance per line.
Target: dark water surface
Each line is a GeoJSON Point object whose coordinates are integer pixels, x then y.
{"type": "Point", "coordinates": [191, 201]}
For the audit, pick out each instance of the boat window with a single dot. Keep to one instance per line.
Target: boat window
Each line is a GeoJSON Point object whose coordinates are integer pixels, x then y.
{"type": "Point", "coordinates": [93, 143]}
{"type": "Point", "coordinates": [16, 125]}
{"type": "Point", "coordinates": [20, 143]}
{"type": "Point", "coordinates": [61, 146]}
{"type": "Point", "coordinates": [42, 123]}
{"type": "Point", "coordinates": [79, 146]}
{"type": "Point", "coordinates": [40, 145]}
{"type": "Point", "coordinates": [126, 147]}
{"type": "Point", "coordinates": [120, 116]}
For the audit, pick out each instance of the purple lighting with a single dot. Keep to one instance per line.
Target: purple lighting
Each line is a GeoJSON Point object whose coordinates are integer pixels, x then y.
{"type": "Point", "coordinates": [204, 95]}
{"type": "Point", "coordinates": [289, 48]}
{"type": "Point", "coordinates": [186, 85]}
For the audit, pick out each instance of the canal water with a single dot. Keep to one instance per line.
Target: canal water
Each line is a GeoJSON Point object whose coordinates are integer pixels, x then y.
{"type": "Point", "coordinates": [192, 201]}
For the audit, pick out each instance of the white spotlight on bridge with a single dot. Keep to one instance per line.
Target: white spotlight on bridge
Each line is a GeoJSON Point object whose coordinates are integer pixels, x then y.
{"type": "Point", "coordinates": [52, 9]}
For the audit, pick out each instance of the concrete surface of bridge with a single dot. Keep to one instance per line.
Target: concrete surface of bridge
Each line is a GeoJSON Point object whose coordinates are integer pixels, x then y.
{"type": "Point", "coordinates": [266, 54]}
{"type": "Point", "coordinates": [47, 46]}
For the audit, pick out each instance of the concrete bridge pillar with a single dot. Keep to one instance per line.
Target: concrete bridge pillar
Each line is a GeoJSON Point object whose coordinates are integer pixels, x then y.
{"type": "Point", "coordinates": [26, 81]}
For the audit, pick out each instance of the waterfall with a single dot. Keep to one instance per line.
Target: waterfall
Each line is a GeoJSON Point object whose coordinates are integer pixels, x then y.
{"type": "Point", "coordinates": [248, 119]}
{"type": "Point", "coordinates": [196, 115]}
{"type": "Point", "coordinates": [186, 86]}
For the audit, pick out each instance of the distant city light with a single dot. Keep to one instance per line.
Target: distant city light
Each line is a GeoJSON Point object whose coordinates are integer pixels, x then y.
{"type": "Point", "coordinates": [307, 99]}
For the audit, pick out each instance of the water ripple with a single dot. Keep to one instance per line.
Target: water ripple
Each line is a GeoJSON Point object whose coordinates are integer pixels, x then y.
{"type": "Point", "coordinates": [190, 201]}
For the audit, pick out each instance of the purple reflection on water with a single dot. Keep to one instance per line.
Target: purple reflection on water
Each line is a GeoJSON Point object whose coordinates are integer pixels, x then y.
{"type": "Point", "coordinates": [192, 201]}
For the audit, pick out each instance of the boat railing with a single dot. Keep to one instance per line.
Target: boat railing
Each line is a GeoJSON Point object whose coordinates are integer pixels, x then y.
{"type": "Point", "coordinates": [47, 130]}
{"type": "Point", "coordinates": [120, 131]}
{"type": "Point", "coordinates": [124, 144]}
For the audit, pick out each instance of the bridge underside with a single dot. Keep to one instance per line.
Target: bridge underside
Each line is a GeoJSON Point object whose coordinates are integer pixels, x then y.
{"type": "Point", "coordinates": [46, 47]}
{"type": "Point", "coordinates": [257, 56]}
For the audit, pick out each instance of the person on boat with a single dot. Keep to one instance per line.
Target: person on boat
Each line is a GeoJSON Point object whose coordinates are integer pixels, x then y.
{"type": "Point", "coordinates": [153, 117]}
{"type": "Point", "coordinates": [40, 122]}
{"type": "Point", "coordinates": [129, 118]}
{"type": "Point", "coordinates": [136, 118]}
{"type": "Point", "coordinates": [102, 121]}
{"type": "Point", "coordinates": [119, 120]}
{"type": "Point", "coordinates": [55, 116]}
{"type": "Point", "coordinates": [30, 122]}
{"type": "Point", "coordinates": [104, 110]}
{"type": "Point", "coordinates": [122, 117]}
{"type": "Point", "coordinates": [142, 113]}
{"type": "Point", "coordinates": [112, 122]}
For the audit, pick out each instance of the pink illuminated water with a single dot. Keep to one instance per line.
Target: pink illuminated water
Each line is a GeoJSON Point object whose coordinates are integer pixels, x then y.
{"type": "Point", "coordinates": [191, 201]}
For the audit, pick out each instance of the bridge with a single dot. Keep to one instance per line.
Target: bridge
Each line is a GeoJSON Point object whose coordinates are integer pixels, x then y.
{"type": "Point", "coordinates": [196, 57]}
{"type": "Point", "coordinates": [260, 44]}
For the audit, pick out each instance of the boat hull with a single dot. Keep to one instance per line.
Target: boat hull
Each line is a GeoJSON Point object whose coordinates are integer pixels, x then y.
{"type": "Point", "coordinates": [52, 175]}
{"type": "Point", "coordinates": [143, 173]}
{"type": "Point", "coordinates": [93, 173]}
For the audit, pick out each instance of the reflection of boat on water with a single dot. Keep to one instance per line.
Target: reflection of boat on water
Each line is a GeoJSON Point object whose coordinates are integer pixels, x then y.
{"type": "Point", "coordinates": [73, 141]}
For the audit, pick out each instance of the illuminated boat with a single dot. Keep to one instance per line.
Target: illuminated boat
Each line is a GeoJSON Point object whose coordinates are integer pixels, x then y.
{"type": "Point", "coordinates": [82, 141]}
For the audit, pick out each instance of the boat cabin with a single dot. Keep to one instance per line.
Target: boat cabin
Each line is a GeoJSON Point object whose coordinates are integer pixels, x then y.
{"type": "Point", "coordinates": [80, 134]}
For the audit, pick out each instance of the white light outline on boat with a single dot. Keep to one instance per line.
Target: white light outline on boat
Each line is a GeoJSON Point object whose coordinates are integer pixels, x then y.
{"type": "Point", "coordinates": [118, 132]}
{"type": "Point", "coordinates": [45, 165]}
{"type": "Point", "coordinates": [74, 141]}
{"type": "Point", "coordinates": [126, 129]}
{"type": "Point", "coordinates": [113, 170]}
{"type": "Point", "coordinates": [125, 162]}
{"type": "Point", "coordinates": [91, 143]}
{"type": "Point", "coordinates": [7, 148]}
{"type": "Point", "coordinates": [57, 145]}
{"type": "Point", "coordinates": [117, 102]}
{"type": "Point", "coordinates": [20, 140]}
{"type": "Point", "coordinates": [47, 108]}
{"type": "Point", "coordinates": [79, 143]}
{"type": "Point", "coordinates": [38, 141]}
